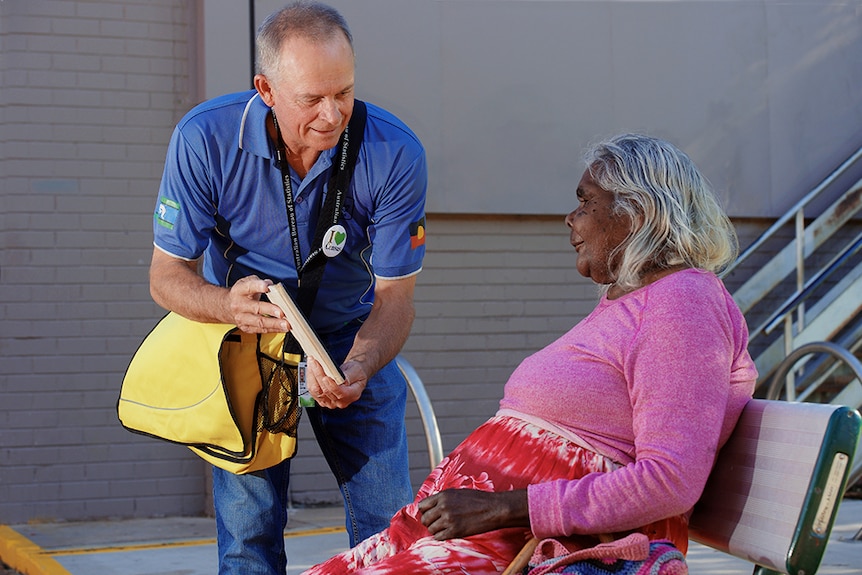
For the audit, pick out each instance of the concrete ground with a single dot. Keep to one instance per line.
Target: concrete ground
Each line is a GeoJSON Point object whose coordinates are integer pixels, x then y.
{"type": "Point", "coordinates": [186, 546]}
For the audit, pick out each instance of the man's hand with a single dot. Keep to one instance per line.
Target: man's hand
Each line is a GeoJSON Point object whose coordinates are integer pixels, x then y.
{"type": "Point", "coordinates": [250, 313]}
{"type": "Point", "coordinates": [377, 342]}
{"type": "Point", "coordinates": [176, 285]}
{"type": "Point", "coordinates": [327, 392]}
{"type": "Point", "coordinates": [455, 513]}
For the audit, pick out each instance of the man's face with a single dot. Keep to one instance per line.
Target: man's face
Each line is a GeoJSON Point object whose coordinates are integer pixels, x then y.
{"type": "Point", "coordinates": [312, 93]}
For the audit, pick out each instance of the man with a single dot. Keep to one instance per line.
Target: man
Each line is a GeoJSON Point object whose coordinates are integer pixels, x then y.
{"type": "Point", "coordinates": [225, 209]}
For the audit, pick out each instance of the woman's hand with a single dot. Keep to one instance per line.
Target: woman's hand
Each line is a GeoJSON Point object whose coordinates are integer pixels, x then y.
{"type": "Point", "coordinates": [457, 513]}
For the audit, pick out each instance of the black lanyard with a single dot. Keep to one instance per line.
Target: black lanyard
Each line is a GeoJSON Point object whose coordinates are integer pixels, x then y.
{"type": "Point", "coordinates": [325, 216]}
{"type": "Point", "coordinates": [310, 272]}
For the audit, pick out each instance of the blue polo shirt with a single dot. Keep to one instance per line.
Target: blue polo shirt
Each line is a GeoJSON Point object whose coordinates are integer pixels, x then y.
{"type": "Point", "coordinates": [221, 191]}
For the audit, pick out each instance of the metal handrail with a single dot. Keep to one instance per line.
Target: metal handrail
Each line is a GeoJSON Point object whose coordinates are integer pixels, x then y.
{"type": "Point", "coordinates": [808, 349]}
{"type": "Point", "coordinates": [808, 238]}
{"type": "Point", "coordinates": [426, 411]}
{"type": "Point", "coordinates": [792, 302]}
{"type": "Point", "coordinates": [792, 212]}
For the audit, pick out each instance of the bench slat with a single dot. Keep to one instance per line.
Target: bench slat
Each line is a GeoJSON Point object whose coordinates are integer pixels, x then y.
{"type": "Point", "coordinates": [775, 489]}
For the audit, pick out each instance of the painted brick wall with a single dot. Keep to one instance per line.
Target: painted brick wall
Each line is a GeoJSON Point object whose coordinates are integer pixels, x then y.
{"type": "Point", "coordinates": [91, 91]}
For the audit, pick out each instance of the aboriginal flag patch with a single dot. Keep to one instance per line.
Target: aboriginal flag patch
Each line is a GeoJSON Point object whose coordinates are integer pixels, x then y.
{"type": "Point", "coordinates": [417, 234]}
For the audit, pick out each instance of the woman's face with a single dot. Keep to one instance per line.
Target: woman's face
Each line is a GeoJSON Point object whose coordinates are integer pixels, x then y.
{"type": "Point", "coordinates": [596, 231]}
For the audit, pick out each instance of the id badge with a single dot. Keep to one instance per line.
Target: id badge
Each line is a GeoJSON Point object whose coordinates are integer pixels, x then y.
{"type": "Point", "coordinates": [305, 398]}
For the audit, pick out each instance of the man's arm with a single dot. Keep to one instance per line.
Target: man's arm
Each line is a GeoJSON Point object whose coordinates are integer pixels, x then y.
{"type": "Point", "coordinates": [176, 285]}
{"type": "Point", "coordinates": [377, 343]}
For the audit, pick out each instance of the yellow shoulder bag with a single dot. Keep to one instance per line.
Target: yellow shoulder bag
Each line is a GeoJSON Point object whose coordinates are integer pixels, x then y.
{"type": "Point", "coordinates": [228, 395]}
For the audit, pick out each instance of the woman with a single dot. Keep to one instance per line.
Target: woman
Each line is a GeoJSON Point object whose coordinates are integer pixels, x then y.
{"type": "Point", "coordinates": [613, 428]}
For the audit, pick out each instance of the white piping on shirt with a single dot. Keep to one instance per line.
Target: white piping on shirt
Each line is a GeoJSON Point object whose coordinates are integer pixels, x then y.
{"type": "Point", "coordinates": [244, 115]}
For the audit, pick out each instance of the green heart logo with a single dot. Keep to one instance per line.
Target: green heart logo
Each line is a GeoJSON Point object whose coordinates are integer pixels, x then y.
{"type": "Point", "coordinates": [339, 238]}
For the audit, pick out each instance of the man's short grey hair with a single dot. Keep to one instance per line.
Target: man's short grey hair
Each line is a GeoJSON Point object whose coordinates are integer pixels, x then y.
{"type": "Point", "coordinates": [313, 21]}
{"type": "Point", "coordinates": [676, 217]}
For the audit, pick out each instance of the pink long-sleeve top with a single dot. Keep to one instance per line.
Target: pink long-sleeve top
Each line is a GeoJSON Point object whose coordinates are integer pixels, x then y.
{"type": "Point", "coordinates": [655, 380]}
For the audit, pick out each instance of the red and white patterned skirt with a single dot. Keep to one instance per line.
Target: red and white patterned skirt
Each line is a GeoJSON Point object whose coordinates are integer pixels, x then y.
{"type": "Point", "coordinates": [504, 453]}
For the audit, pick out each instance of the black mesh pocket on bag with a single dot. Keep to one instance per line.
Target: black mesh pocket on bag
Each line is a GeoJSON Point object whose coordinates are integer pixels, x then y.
{"type": "Point", "coordinates": [279, 405]}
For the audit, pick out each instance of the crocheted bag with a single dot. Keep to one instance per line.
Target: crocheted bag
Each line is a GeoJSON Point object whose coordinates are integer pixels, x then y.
{"type": "Point", "coordinates": [632, 555]}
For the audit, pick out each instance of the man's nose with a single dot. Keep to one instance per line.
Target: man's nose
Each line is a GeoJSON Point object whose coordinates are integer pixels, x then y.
{"type": "Point", "coordinates": [330, 112]}
{"type": "Point", "coordinates": [569, 219]}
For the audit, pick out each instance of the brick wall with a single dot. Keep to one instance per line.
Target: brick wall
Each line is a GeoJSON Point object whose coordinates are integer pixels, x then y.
{"type": "Point", "coordinates": [91, 91]}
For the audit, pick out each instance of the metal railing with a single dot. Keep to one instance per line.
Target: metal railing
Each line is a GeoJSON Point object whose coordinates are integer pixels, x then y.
{"type": "Point", "coordinates": [808, 313]}
{"type": "Point", "coordinates": [797, 211]}
{"type": "Point", "coordinates": [426, 411]}
{"type": "Point", "coordinates": [812, 284]}
{"type": "Point", "coordinates": [840, 354]}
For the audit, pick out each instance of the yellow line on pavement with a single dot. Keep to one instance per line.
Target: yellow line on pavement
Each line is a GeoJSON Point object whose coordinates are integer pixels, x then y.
{"type": "Point", "coordinates": [174, 544]}
{"type": "Point", "coordinates": [119, 548]}
{"type": "Point", "coordinates": [23, 555]}
{"type": "Point", "coordinates": [318, 531]}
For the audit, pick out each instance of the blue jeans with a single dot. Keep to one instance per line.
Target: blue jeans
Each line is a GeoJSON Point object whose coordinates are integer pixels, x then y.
{"type": "Point", "coordinates": [365, 446]}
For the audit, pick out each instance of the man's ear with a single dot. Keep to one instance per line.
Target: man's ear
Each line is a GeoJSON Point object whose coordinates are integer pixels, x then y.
{"type": "Point", "coordinates": [264, 88]}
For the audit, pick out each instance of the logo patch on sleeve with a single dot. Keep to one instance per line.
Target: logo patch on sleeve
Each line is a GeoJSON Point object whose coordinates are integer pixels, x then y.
{"type": "Point", "coordinates": [417, 234]}
{"type": "Point", "coordinates": [167, 212]}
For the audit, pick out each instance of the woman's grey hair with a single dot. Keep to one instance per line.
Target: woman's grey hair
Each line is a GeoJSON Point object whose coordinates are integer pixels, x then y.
{"type": "Point", "coordinates": [676, 217]}
{"type": "Point", "coordinates": [313, 21]}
